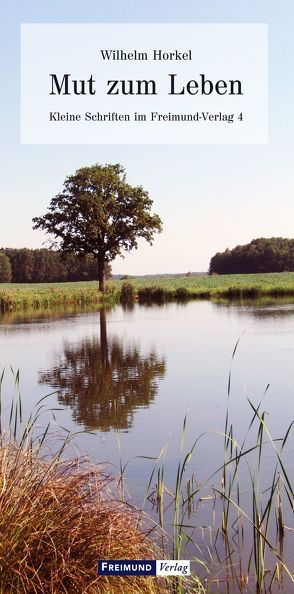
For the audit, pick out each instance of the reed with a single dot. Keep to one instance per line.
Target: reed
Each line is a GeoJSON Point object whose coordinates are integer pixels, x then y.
{"type": "Point", "coordinates": [258, 528]}
{"type": "Point", "coordinates": [47, 296]}
{"type": "Point", "coordinates": [59, 516]}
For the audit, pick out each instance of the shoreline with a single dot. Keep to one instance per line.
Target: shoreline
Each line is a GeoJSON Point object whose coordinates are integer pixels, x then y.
{"type": "Point", "coordinates": [151, 289]}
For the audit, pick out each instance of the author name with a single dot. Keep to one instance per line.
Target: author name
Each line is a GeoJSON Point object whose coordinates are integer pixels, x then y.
{"type": "Point", "coordinates": [156, 54]}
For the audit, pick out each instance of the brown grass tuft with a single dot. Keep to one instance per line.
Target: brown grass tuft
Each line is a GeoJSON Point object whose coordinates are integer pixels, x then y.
{"type": "Point", "coordinates": [57, 519]}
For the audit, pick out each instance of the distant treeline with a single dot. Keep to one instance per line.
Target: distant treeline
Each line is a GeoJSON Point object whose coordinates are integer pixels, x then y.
{"type": "Point", "coordinates": [45, 266]}
{"type": "Point", "coordinates": [261, 255]}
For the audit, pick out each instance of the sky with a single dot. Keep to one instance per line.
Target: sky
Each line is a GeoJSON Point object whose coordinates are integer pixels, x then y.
{"type": "Point", "coordinates": [209, 197]}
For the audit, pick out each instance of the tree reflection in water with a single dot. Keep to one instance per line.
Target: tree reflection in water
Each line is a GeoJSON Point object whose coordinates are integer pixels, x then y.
{"type": "Point", "coordinates": [104, 381]}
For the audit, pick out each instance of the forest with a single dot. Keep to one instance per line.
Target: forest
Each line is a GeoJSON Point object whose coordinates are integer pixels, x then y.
{"type": "Point", "coordinates": [43, 265]}
{"type": "Point", "coordinates": [274, 254]}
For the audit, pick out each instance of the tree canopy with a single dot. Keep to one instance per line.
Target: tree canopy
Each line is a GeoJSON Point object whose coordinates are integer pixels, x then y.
{"type": "Point", "coordinates": [5, 268]}
{"type": "Point", "coordinates": [48, 266]}
{"type": "Point", "coordinates": [98, 213]}
{"type": "Point", "coordinates": [274, 254]}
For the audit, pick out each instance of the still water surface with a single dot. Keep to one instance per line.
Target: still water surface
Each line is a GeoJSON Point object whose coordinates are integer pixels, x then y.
{"type": "Point", "coordinates": [131, 376]}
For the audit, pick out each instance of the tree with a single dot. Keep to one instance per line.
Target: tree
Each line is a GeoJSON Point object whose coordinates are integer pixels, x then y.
{"type": "Point", "coordinates": [274, 254]}
{"type": "Point", "coordinates": [104, 381]}
{"type": "Point", "coordinates": [47, 266]}
{"type": "Point", "coordinates": [5, 269]}
{"type": "Point", "coordinates": [98, 213]}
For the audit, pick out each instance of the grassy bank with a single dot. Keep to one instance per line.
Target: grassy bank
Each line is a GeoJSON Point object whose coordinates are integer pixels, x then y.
{"type": "Point", "coordinates": [49, 295]}
{"type": "Point", "coordinates": [215, 286]}
{"type": "Point", "coordinates": [146, 289]}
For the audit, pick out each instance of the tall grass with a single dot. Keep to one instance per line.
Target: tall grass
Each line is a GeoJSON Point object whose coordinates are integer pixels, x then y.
{"type": "Point", "coordinates": [45, 296]}
{"type": "Point", "coordinates": [58, 517]}
{"type": "Point", "coordinates": [267, 503]}
{"type": "Point", "coordinates": [251, 525]}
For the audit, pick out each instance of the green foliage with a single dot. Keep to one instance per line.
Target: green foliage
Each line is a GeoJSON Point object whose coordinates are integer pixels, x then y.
{"type": "Point", "coordinates": [261, 255]}
{"type": "Point", "coordinates": [162, 294]}
{"type": "Point", "coordinates": [153, 293]}
{"type": "Point", "coordinates": [45, 266]}
{"type": "Point", "coordinates": [19, 297]}
{"type": "Point", "coordinates": [99, 213]}
{"type": "Point", "coordinates": [179, 288]}
{"type": "Point", "coordinates": [127, 293]}
{"type": "Point", "coordinates": [181, 294]}
{"type": "Point", "coordinates": [147, 290]}
{"type": "Point", "coordinates": [5, 269]}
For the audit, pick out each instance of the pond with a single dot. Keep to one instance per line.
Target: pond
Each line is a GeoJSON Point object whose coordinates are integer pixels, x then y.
{"type": "Point", "coordinates": [132, 375]}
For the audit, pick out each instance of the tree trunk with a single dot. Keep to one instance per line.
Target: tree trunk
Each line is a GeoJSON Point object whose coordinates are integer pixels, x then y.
{"type": "Point", "coordinates": [103, 338]}
{"type": "Point", "coordinates": [101, 272]}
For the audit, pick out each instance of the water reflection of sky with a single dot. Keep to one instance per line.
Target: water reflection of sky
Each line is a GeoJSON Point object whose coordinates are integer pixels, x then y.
{"type": "Point", "coordinates": [132, 375]}
{"type": "Point", "coordinates": [192, 343]}
{"type": "Point", "coordinates": [181, 354]}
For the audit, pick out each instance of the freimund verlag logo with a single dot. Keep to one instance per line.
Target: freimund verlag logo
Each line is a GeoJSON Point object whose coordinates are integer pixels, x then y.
{"type": "Point", "coordinates": [143, 567]}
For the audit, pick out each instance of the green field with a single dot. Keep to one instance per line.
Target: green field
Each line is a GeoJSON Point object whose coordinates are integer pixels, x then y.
{"type": "Point", "coordinates": [205, 285]}
{"type": "Point", "coordinates": [149, 288]}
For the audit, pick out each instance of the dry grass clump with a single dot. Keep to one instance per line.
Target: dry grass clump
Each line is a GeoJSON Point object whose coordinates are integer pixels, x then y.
{"type": "Point", "coordinates": [57, 519]}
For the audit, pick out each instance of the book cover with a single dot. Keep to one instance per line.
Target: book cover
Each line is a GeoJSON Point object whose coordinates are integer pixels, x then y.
{"type": "Point", "coordinates": [147, 297]}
